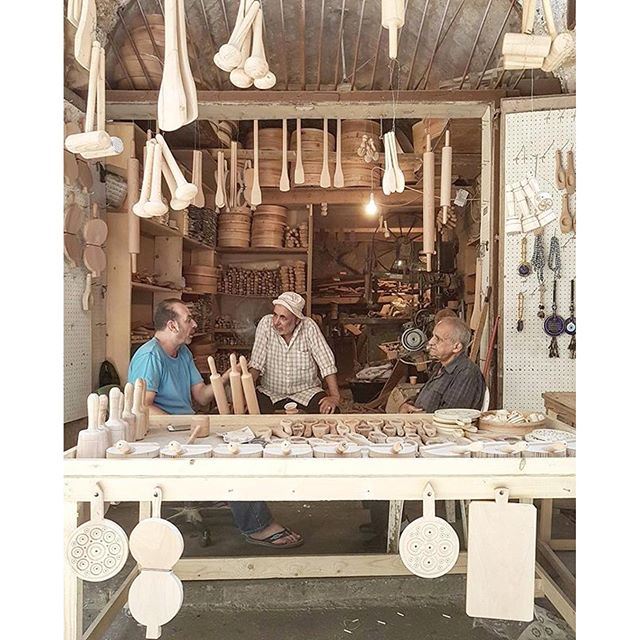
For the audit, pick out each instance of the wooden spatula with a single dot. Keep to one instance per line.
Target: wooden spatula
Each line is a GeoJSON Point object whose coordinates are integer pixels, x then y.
{"type": "Point", "coordinates": [298, 176]}
{"type": "Point", "coordinates": [284, 174]}
{"type": "Point", "coordinates": [338, 175]}
{"type": "Point", "coordinates": [198, 201]}
{"type": "Point", "coordinates": [325, 176]}
{"type": "Point", "coordinates": [256, 193]}
{"type": "Point", "coordinates": [85, 33]}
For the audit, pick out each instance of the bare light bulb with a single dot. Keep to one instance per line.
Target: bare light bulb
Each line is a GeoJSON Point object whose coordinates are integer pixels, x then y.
{"type": "Point", "coordinates": [371, 208]}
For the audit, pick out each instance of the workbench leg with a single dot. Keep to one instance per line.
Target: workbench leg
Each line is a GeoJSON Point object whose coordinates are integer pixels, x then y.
{"type": "Point", "coordinates": [145, 510]}
{"type": "Point", "coordinates": [463, 520]}
{"type": "Point", "coordinates": [395, 521]}
{"type": "Point", "coordinates": [546, 517]}
{"type": "Point", "coordinates": [450, 510]}
{"type": "Point", "coordinates": [72, 584]}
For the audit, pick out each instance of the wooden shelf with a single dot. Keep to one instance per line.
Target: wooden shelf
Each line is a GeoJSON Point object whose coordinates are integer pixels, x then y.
{"type": "Point", "coordinates": [231, 347]}
{"type": "Point", "coordinates": [247, 295]}
{"type": "Point", "coordinates": [142, 286]}
{"type": "Point", "coordinates": [336, 300]}
{"type": "Point", "coordinates": [151, 228]}
{"type": "Point", "coordinates": [191, 243]}
{"type": "Point", "coordinates": [264, 250]}
{"type": "Point", "coordinates": [185, 292]}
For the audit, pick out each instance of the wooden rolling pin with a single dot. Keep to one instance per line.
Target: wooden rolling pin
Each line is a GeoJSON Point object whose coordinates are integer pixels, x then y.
{"type": "Point", "coordinates": [133, 188]}
{"type": "Point", "coordinates": [428, 202]}
{"type": "Point", "coordinates": [218, 388]}
{"type": "Point", "coordinates": [237, 396]}
{"type": "Point", "coordinates": [249, 388]}
{"type": "Point", "coordinates": [445, 179]}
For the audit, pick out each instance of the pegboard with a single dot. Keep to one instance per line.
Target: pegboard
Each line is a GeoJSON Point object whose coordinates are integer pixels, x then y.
{"type": "Point", "coordinates": [77, 345]}
{"type": "Point", "coordinates": [531, 139]}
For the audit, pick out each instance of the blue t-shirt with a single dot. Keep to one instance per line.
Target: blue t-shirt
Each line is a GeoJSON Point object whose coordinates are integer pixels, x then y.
{"type": "Point", "coordinates": [171, 378]}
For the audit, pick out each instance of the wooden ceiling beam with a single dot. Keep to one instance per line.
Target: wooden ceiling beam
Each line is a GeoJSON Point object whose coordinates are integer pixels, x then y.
{"type": "Point", "coordinates": [319, 44]}
{"type": "Point", "coordinates": [270, 105]}
{"type": "Point", "coordinates": [339, 47]}
{"type": "Point", "coordinates": [495, 44]}
{"type": "Point", "coordinates": [475, 44]}
{"type": "Point", "coordinates": [415, 49]}
{"type": "Point", "coordinates": [355, 55]}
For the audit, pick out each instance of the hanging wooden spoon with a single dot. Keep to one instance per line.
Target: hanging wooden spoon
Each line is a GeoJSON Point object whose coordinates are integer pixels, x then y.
{"type": "Point", "coordinates": [570, 174]}
{"type": "Point", "coordinates": [561, 182]}
{"type": "Point", "coordinates": [256, 194]}
{"type": "Point", "coordinates": [284, 174]}
{"type": "Point", "coordinates": [198, 200]}
{"type": "Point", "coordinates": [338, 176]}
{"type": "Point", "coordinates": [156, 206]}
{"type": "Point", "coordinates": [298, 176]}
{"type": "Point", "coordinates": [185, 69]}
{"type": "Point", "coordinates": [325, 176]}
{"type": "Point", "coordinates": [220, 186]}
{"type": "Point", "coordinates": [566, 221]}
{"type": "Point", "coordinates": [233, 193]}
{"type": "Point", "coordinates": [396, 165]}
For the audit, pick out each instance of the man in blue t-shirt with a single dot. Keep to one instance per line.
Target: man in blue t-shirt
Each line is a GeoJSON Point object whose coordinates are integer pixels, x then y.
{"type": "Point", "coordinates": [174, 384]}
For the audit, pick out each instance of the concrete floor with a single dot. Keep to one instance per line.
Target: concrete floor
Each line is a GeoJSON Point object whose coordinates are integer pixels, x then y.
{"type": "Point", "coordinates": [317, 609]}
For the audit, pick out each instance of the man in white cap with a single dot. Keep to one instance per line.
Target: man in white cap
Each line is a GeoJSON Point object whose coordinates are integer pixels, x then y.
{"type": "Point", "coordinates": [288, 351]}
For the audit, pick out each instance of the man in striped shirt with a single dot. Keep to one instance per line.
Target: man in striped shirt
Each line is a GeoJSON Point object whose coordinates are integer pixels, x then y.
{"type": "Point", "coordinates": [288, 352]}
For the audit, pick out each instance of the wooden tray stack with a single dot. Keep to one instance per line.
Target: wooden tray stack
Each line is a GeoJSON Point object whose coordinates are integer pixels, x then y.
{"type": "Point", "coordinates": [297, 236]}
{"type": "Point", "coordinates": [357, 172]}
{"type": "Point", "coordinates": [129, 71]}
{"type": "Point", "coordinates": [234, 228]}
{"type": "Point", "coordinates": [237, 281]}
{"type": "Point", "coordinates": [269, 139]}
{"type": "Point", "coordinates": [311, 141]}
{"type": "Point", "coordinates": [201, 278]}
{"type": "Point", "coordinates": [269, 223]}
{"type": "Point", "coordinates": [294, 277]}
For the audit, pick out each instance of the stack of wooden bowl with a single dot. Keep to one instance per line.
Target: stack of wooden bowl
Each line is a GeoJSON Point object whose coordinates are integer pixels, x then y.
{"type": "Point", "coordinates": [311, 142]}
{"type": "Point", "coordinates": [150, 44]}
{"type": "Point", "coordinates": [234, 228]}
{"type": "Point", "coordinates": [201, 278]}
{"type": "Point", "coordinates": [357, 172]}
{"type": "Point", "coordinates": [269, 139]}
{"type": "Point", "coordinates": [227, 130]}
{"type": "Point", "coordinates": [269, 223]}
{"type": "Point", "coordinates": [297, 236]}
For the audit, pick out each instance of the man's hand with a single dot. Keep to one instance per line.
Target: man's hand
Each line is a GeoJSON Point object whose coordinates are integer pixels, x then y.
{"type": "Point", "coordinates": [406, 407]}
{"type": "Point", "coordinates": [328, 404]}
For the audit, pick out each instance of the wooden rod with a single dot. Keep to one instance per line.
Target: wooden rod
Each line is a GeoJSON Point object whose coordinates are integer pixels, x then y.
{"type": "Point", "coordinates": [223, 6]}
{"type": "Point", "coordinates": [319, 43]}
{"type": "Point", "coordinates": [375, 60]}
{"type": "Point", "coordinates": [355, 56]}
{"type": "Point", "coordinates": [339, 47]}
{"type": "Point", "coordinates": [495, 44]}
{"type": "Point", "coordinates": [415, 50]}
{"type": "Point", "coordinates": [475, 44]}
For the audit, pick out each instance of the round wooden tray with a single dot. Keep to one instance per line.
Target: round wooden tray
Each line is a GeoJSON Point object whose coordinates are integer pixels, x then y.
{"type": "Point", "coordinates": [507, 428]}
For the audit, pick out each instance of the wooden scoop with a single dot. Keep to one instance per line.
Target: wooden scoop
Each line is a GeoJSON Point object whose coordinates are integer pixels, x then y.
{"type": "Point", "coordinates": [218, 388]}
{"type": "Point", "coordinates": [338, 175]}
{"type": "Point", "coordinates": [325, 177]}
{"type": "Point", "coordinates": [570, 175]}
{"type": "Point", "coordinates": [298, 176]}
{"type": "Point", "coordinates": [284, 174]}
{"type": "Point", "coordinates": [256, 193]}
{"type": "Point", "coordinates": [566, 221]}
{"type": "Point", "coordinates": [561, 183]}
{"type": "Point", "coordinates": [237, 396]}
{"type": "Point", "coordinates": [188, 83]}
{"type": "Point", "coordinates": [248, 388]}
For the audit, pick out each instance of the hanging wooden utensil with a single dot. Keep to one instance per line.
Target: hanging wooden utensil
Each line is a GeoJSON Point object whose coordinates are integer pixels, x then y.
{"type": "Point", "coordinates": [256, 193]}
{"type": "Point", "coordinates": [238, 76]}
{"type": "Point", "coordinates": [97, 550]}
{"type": "Point", "coordinates": [428, 203]}
{"type": "Point", "coordinates": [85, 33]}
{"type": "Point", "coordinates": [389, 176]}
{"type": "Point", "coordinates": [185, 190]}
{"type": "Point", "coordinates": [145, 190]}
{"type": "Point", "coordinates": [175, 203]}
{"type": "Point", "coordinates": [561, 181]}
{"type": "Point", "coordinates": [256, 65]}
{"type": "Point", "coordinates": [188, 83]}
{"type": "Point", "coordinates": [237, 396]}
{"type": "Point", "coordinates": [566, 221]}
{"type": "Point", "coordinates": [429, 546]}
{"type": "Point", "coordinates": [70, 167]}
{"type": "Point", "coordinates": [198, 200]}
{"type": "Point", "coordinates": [475, 314]}
{"type": "Point", "coordinates": [445, 178]}
{"type": "Point", "coordinates": [284, 174]}
{"type": "Point", "coordinates": [73, 15]}
{"type": "Point", "coordinates": [95, 233]}
{"type": "Point", "coordinates": [298, 176]}
{"type": "Point", "coordinates": [338, 175]}
{"type": "Point", "coordinates": [156, 594]}
{"type": "Point", "coordinates": [133, 233]}
{"type": "Point", "coordinates": [156, 206]}
{"type": "Point", "coordinates": [220, 181]}
{"type": "Point", "coordinates": [501, 559]}
{"type": "Point", "coordinates": [248, 388]}
{"type": "Point", "coordinates": [396, 165]}
{"type": "Point", "coordinates": [325, 176]}
{"type": "Point", "coordinates": [73, 218]}
{"type": "Point", "coordinates": [554, 325]}
{"type": "Point", "coordinates": [570, 175]}
{"type": "Point", "coordinates": [392, 19]}
{"type": "Point", "coordinates": [233, 190]}
{"type": "Point", "coordinates": [229, 56]}
{"type": "Point", "coordinates": [562, 45]}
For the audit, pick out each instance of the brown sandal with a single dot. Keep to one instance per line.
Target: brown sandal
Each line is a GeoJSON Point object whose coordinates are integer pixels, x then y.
{"type": "Point", "coordinates": [270, 541]}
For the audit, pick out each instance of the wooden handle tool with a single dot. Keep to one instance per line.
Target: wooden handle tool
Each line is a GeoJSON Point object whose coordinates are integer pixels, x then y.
{"type": "Point", "coordinates": [145, 190]}
{"type": "Point", "coordinates": [249, 388]}
{"type": "Point", "coordinates": [284, 174]}
{"type": "Point", "coordinates": [198, 200]}
{"type": "Point", "coordinates": [185, 190]}
{"type": "Point", "coordinates": [566, 221]}
{"type": "Point", "coordinates": [338, 175]}
{"type": "Point", "coordinates": [237, 396]}
{"type": "Point", "coordinates": [256, 194]}
{"type": "Point", "coordinates": [218, 388]}
{"type": "Point", "coordinates": [325, 176]}
{"type": "Point", "coordinates": [220, 181]}
{"type": "Point", "coordinates": [127, 413]}
{"type": "Point", "coordinates": [298, 176]}
{"type": "Point", "coordinates": [561, 182]}
{"type": "Point", "coordinates": [233, 201]}
{"type": "Point", "coordinates": [155, 206]}
{"type": "Point", "coordinates": [428, 203]}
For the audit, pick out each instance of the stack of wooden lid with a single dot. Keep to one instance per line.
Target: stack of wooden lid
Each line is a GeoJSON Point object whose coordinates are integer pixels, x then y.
{"type": "Point", "coordinates": [149, 43]}
{"type": "Point", "coordinates": [234, 228]}
{"type": "Point", "coordinates": [357, 172]}
{"type": "Point", "coordinates": [269, 223]}
{"type": "Point", "coordinates": [201, 278]}
{"type": "Point", "coordinates": [269, 139]}
{"type": "Point", "coordinates": [311, 142]}
{"type": "Point", "coordinates": [294, 277]}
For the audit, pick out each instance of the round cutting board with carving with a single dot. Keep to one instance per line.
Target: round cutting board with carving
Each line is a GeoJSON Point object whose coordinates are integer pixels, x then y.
{"type": "Point", "coordinates": [429, 547]}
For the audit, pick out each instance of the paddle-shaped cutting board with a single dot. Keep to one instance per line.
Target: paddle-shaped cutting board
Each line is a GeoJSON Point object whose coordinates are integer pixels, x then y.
{"type": "Point", "coordinates": [501, 559]}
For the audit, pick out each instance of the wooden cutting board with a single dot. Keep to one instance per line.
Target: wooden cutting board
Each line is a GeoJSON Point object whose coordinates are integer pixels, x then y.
{"type": "Point", "coordinates": [501, 559]}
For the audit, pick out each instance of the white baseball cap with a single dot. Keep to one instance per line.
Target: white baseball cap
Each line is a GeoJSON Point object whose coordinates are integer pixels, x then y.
{"type": "Point", "coordinates": [292, 301]}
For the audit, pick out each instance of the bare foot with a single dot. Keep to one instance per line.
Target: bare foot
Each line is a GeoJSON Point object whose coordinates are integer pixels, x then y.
{"type": "Point", "coordinates": [275, 527]}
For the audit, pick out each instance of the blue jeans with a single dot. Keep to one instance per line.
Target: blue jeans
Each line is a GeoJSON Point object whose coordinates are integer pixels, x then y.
{"type": "Point", "coordinates": [251, 517]}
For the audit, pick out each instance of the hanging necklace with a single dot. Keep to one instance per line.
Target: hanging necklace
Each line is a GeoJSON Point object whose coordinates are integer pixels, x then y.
{"type": "Point", "coordinates": [570, 326]}
{"type": "Point", "coordinates": [520, 325]}
{"type": "Point", "coordinates": [524, 268]}
{"type": "Point", "coordinates": [554, 256]}
{"type": "Point", "coordinates": [538, 263]}
{"type": "Point", "coordinates": [554, 325]}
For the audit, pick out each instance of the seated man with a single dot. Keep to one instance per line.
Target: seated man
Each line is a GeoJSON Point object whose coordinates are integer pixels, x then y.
{"type": "Point", "coordinates": [456, 383]}
{"type": "Point", "coordinates": [287, 352]}
{"type": "Point", "coordinates": [173, 383]}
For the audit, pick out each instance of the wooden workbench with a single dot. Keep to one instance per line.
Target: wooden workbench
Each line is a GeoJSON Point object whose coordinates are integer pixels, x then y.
{"type": "Point", "coordinates": [218, 479]}
{"type": "Point", "coordinates": [561, 405]}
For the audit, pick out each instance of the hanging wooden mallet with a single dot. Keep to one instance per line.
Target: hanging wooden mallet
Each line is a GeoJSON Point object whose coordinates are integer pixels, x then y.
{"type": "Point", "coordinates": [185, 190]}
{"type": "Point", "coordinates": [145, 189]}
{"type": "Point", "coordinates": [156, 206]}
{"type": "Point", "coordinates": [393, 19]}
{"type": "Point", "coordinates": [428, 203]}
{"type": "Point", "coordinates": [229, 56]}
{"type": "Point", "coordinates": [133, 185]}
{"type": "Point", "coordinates": [237, 396]}
{"type": "Point", "coordinates": [249, 388]}
{"type": "Point", "coordinates": [218, 388]}
{"type": "Point", "coordinates": [445, 179]}
{"type": "Point", "coordinates": [256, 65]}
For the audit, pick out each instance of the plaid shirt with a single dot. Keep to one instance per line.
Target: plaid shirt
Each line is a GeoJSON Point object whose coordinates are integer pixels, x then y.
{"type": "Point", "coordinates": [291, 370]}
{"type": "Point", "coordinates": [458, 385]}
